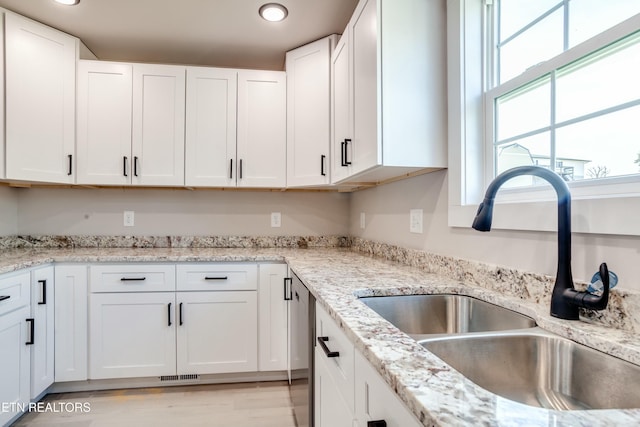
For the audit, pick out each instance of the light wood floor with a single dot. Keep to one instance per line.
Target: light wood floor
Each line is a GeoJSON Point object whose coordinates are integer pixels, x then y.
{"type": "Point", "coordinates": [265, 404]}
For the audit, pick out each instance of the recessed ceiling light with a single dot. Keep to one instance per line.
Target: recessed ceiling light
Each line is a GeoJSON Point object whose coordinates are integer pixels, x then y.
{"type": "Point", "coordinates": [273, 12]}
{"type": "Point", "coordinates": [68, 2]}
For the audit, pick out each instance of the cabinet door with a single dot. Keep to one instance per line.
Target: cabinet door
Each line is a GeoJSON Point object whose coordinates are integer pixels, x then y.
{"type": "Point", "coordinates": [342, 112]}
{"type": "Point", "coordinates": [217, 332]}
{"type": "Point", "coordinates": [262, 130]}
{"type": "Point", "coordinates": [376, 401]}
{"type": "Point", "coordinates": [132, 335]}
{"type": "Point", "coordinates": [308, 108]}
{"type": "Point", "coordinates": [70, 323]}
{"type": "Point", "coordinates": [211, 127]}
{"type": "Point", "coordinates": [2, 96]}
{"type": "Point", "coordinates": [40, 101]}
{"type": "Point", "coordinates": [330, 408]}
{"type": "Point", "coordinates": [42, 311]}
{"type": "Point", "coordinates": [273, 317]}
{"type": "Point", "coordinates": [104, 123]}
{"type": "Point", "coordinates": [14, 362]}
{"type": "Point", "coordinates": [364, 50]}
{"type": "Point", "coordinates": [158, 124]}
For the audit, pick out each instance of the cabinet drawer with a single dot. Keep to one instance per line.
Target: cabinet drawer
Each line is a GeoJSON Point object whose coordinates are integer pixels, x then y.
{"type": "Point", "coordinates": [132, 278]}
{"type": "Point", "coordinates": [14, 292]}
{"type": "Point", "coordinates": [341, 366]}
{"type": "Point", "coordinates": [217, 277]}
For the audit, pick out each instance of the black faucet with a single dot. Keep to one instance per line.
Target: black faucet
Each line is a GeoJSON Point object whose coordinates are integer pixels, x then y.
{"type": "Point", "coordinates": [565, 300]}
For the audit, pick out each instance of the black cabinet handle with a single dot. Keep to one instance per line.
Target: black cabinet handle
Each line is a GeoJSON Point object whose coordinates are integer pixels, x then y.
{"type": "Point", "coordinates": [132, 279]}
{"type": "Point", "coordinates": [70, 157]}
{"type": "Point", "coordinates": [32, 329]}
{"type": "Point", "coordinates": [322, 157]}
{"type": "Point", "coordinates": [287, 294]}
{"type": "Point", "coordinates": [180, 314]}
{"type": "Point", "coordinates": [216, 278]}
{"type": "Point", "coordinates": [230, 168]}
{"type": "Point", "coordinates": [124, 165]}
{"type": "Point", "coordinates": [327, 352]}
{"type": "Point", "coordinates": [378, 423]}
{"type": "Point", "coordinates": [346, 145]}
{"type": "Point", "coordinates": [4, 297]}
{"type": "Point", "coordinates": [43, 284]}
{"type": "Point", "coordinates": [342, 153]}
{"type": "Point", "coordinates": [135, 165]}
{"type": "Point", "coordinates": [240, 169]}
{"type": "Point", "coordinates": [169, 314]}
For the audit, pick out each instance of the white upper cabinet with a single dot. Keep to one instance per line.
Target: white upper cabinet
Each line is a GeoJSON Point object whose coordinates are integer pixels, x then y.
{"type": "Point", "coordinates": [158, 125]}
{"type": "Point", "coordinates": [104, 123]}
{"type": "Point", "coordinates": [308, 119]}
{"type": "Point", "coordinates": [397, 82]}
{"type": "Point", "coordinates": [262, 129]}
{"type": "Point", "coordinates": [40, 65]}
{"type": "Point", "coordinates": [2, 127]}
{"type": "Point", "coordinates": [211, 127]}
{"type": "Point", "coordinates": [341, 111]}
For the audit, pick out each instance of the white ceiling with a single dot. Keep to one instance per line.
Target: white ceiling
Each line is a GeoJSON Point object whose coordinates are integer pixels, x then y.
{"type": "Point", "coordinates": [224, 33]}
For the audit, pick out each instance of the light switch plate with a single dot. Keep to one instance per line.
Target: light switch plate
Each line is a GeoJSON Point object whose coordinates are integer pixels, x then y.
{"type": "Point", "coordinates": [276, 219]}
{"type": "Point", "coordinates": [415, 221]}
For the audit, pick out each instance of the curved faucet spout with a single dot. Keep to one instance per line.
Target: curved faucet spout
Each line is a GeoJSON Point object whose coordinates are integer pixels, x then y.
{"type": "Point", "coordinates": [561, 306]}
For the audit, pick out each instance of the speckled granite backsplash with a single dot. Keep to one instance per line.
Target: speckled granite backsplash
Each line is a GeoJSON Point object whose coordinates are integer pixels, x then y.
{"type": "Point", "coordinates": [623, 311]}
{"type": "Point", "coordinates": [19, 242]}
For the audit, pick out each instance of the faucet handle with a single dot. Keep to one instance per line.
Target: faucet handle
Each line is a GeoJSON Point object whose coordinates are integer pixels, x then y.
{"type": "Point", "coordinates": [588, 300]}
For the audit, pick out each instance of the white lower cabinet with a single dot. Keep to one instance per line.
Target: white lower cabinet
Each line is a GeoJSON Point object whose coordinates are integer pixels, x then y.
{"type": "Point", "coordinates": [273, 297]}
{"type": "Point", "coordinates": [15, 345]}
{"type": "Point", "coordinates": [217, 332]}
{"type": "Point", "coordinates": [71, 320]}
{"type": "Point", "coordinates": [145, 323]}
{"type": "Point", "coordinates": [132, 335]}
{"type": "Point", "coordinates": [375, 402]}
{"type": "Point", "coordinates": [348, 390]}
{"type": "Point", "coordinates": [42, 312]}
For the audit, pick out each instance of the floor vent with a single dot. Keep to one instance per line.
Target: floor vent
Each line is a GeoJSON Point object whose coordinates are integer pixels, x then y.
{"type": "Point", "coordinates": [187, 377]}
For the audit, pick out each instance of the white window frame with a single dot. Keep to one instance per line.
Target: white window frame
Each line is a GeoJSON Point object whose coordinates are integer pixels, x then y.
{"type": "Point", "coordinates": [612, 209]}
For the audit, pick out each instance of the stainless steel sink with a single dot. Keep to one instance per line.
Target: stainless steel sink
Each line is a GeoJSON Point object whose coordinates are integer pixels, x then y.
{"type": "Point", "coordinates": [423, 315]}
{"type": "Point", "coordinates": [541, 369]}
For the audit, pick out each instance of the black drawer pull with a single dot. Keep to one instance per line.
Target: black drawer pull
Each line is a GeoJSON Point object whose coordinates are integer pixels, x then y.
{"type": "Point", "coordinates": [133, 279]}
{"type": "Point", "coordinates": [135, 165]}
{"type": "Point", "coordinates": [180, 314]}
{"type": "Point", "coordinates": [32, 327]}
{"type": "Point", "coordinates": [322, 157]}
{"type": "Point", "coordinates": [329, 353]}
{"type": "Point", "coordinates": [4, 297]}
{"type": "Point", "coordinates": [378, 423]}
{"type": "Point", "coordinates": [231, 169]}
{"type": "Point", "coordinates": [169, 315]}
{"type": "Point", "coordinates": [70, 157]}
{"type": "Point", "coordinates": [215, 278]}
{"type": "Point", "coordinates": [287, 294]}
{"type": "Point", "coordinates": [44, 292]}
{"type": "Point", "coordinates": [124, 165]}
{"type": "Point", "coordinates": [346, 145]}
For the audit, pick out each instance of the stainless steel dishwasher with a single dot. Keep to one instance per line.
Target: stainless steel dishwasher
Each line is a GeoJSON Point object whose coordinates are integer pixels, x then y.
{"type": "Point", "coordinates": [302, 322]}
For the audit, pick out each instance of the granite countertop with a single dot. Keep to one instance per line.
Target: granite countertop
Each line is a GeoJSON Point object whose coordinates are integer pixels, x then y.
{"type": "Point", "coordinates": [434, 392]}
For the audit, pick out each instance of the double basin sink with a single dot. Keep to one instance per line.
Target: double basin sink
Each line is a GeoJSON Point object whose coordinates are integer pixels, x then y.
{"type": "Point", "coordinates": [505, 353]}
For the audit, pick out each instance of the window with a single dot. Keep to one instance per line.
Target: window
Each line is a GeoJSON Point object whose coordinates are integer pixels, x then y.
{"type": "Point", "coordinates": [550, 83]}
{"type": "Point", "coordinates": [558, 98]}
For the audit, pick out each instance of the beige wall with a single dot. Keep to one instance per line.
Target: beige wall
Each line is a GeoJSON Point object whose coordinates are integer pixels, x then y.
{"type": "Point", "coordinates": [387, 208]}
{"type": "Point", "coordinates": [179, 212]}
{"type": "Point", "coordinates": [8, 211]}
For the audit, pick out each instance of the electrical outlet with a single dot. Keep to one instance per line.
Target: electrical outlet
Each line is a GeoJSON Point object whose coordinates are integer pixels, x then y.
{"type": "Point", "coordinates": [276, 219]}
{"type": "Point", "coordinates": [362, 220]}
{"type": "Point", "coordinates": [415, 221]}
{"type": "Point", "coordinates": [129, 217]}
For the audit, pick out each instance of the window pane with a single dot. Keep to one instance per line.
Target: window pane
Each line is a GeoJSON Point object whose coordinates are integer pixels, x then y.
{"type": "Point", "coordinates": [608, 145]}
{"type": "Point", "coordinates": [524, 111]}
{"type": "Point", "coordinates": [517, 14]}
{"type": "Point", "coordinates": [590, 17]}
{"type": "Point", "coordinates": [593, 86]}
{"type": "Point", "coordinates": [539, 43]}
{"type": "Point", "coordinates": [534, 150]}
